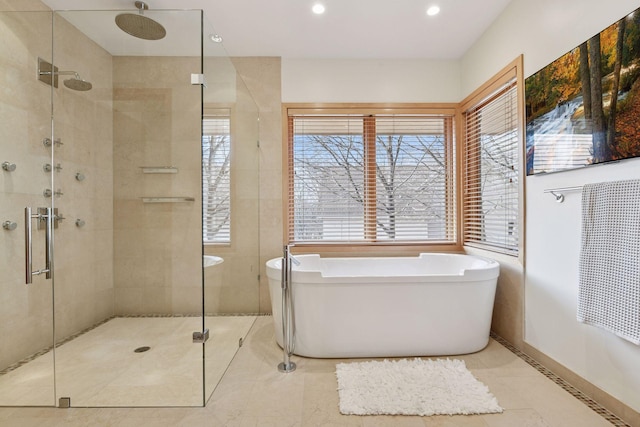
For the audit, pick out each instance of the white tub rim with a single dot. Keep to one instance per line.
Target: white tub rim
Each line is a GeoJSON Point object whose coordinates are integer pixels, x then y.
{"type": "Point", "coordinates": [489, 269]}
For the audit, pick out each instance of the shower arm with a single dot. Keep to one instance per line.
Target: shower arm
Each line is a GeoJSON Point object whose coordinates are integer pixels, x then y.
{"type": "Point", "coordinates": [60, 73]}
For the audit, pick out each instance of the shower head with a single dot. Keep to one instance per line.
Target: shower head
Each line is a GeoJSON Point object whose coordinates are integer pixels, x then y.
{"type": "Point", "coordinates": [139, 25]}
{"type": "Point", "coordinates": [76, 83]}
{"type": "Point", "coordinates": [49, 73]}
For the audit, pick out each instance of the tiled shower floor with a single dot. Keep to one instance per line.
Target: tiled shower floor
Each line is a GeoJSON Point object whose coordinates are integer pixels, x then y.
{"type": "Point", "coordinates": [253, 393]}
{"type": "Point", "coordinates": [102, 368]}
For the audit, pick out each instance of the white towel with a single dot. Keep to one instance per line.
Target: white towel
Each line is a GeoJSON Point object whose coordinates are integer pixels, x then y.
{"type": "Point", "coordinates": [609, 287]}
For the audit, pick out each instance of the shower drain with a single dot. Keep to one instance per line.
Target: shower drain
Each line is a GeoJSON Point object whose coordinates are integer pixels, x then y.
{"type": "Point", "coordinates": [142, 349]}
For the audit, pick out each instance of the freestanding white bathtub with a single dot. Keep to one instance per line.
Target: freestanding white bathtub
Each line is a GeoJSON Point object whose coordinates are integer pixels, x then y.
{"type": "Point", "coordinates": [429, 305]}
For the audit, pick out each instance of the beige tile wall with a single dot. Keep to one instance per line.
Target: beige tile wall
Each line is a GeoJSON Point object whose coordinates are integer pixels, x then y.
{"type": "Point", "coordinates": [262, 77]}
{"type": "Point", "coordinates": [83, 278]}
{"type": "Point", "coordinates": [24, 121]}
{"type": "Point", "coordinates": [157, 249]}
{"type": "Point", "coordinates": [158, 246]}
{"type": "Point", "coordinates": [83, 123]}
{"type": "Point", "coordinates": [233, 287]}
{"type": "Point", "coordinates": [508, 308]}
{"type": "Point", "coordinates": [22, 5]}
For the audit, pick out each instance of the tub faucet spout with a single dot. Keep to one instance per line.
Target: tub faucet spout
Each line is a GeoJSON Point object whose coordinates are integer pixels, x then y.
{"type": "Point", "coordinates": [287, 312]}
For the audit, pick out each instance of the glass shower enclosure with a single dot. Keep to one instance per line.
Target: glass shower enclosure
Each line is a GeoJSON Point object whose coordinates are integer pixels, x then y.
{"type": "Point", "coordinates": [103, 291]}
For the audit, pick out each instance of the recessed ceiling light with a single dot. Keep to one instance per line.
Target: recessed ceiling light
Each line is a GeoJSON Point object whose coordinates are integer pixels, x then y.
{"type": "Point", "coordinates": [216, 38]}
{"type": "Point", "coordinates": [433, 10]}
{"type": "Point", "coordinates": [318, 9]}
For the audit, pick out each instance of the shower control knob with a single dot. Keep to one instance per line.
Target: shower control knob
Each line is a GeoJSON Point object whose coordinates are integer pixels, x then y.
{"type": "Point", "coordinates": [9, 225]}
{"type": "Point", "coordinates": [9, 167]}
{"type": "Point", "coordinates": [80, 222]}
{"type": "Point", "coordinates": [48, 193]}
{"type": "Point", "coordinates": [80, 176]}
{"type": "Point", "coordinates": [47, 167]}
{"type": "Point", "coordinates": [47, 142]}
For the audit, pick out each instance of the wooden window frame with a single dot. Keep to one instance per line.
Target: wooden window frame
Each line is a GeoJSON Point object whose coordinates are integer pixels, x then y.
{"type": "Point", "coordinates": [379, 248]}
{"type": "Point", "coordinates": [513, 70]}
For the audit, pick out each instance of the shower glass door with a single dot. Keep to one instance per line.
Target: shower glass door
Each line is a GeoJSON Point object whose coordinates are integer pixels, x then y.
{"type": "Point", "coordinates": [126, 180]}
{"type": "Point", "coordinates": [230, 188]}
{"type": "Point", "coordinates": [26, 308]}
{"type": "Point", "coordinates": [105, 130]}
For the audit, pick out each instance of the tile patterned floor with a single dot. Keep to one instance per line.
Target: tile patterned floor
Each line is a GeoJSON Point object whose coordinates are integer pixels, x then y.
{"type": "Point", "coordinates": [253, 393]}
{"type": "Point", "coordinates": [100, 368]}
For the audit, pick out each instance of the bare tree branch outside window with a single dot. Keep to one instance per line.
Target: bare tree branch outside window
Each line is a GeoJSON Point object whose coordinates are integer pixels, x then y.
{"type": "Point", "coordinates": [411, 186]}
{"type": "Point", "coordinates": [330, 183]}
{"type": "Point", "coordinates": [216, 197]}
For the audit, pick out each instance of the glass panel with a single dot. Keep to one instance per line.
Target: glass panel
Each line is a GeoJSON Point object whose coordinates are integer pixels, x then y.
{"type": "Point", "coordinates": [216, 176]}
{"type": "Point", "coordinates": [26, 317]}
{"type": "Point", "coordinates": [231, 244]}
{"type": "Point", "coordinates": [128, 277]}
{"type": "Point", "coordinates": [411, 184]}
{"type": "Point", "coordinates": [329, 179]}
{"type": "Point", "coordinates": [383, 178]}
{"type": "Point", "coordinates": [124, 171]}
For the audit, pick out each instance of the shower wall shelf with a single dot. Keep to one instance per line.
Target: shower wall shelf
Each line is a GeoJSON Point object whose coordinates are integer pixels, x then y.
{"type": "Point", "coordinates": [159, 169]}
{"type": "Point", "coordinates": [167, 199]}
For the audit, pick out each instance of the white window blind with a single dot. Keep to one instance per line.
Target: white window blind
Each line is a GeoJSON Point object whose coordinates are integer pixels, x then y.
{"type": "Point", "coordinates": [216, 194]}
{"type": "Point", "coordinates": [371, 178]}
{"type": "Point", "coordinates": [491, 172]}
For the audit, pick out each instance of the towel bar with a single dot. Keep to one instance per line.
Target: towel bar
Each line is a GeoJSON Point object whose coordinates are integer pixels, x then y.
{"type": "Point", "coordinates": [167, 199]}
{"type": "Point", "coordinates": [558, 192]}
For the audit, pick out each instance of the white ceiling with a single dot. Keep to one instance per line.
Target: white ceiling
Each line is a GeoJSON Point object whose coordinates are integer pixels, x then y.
{"type": "Point", "coordinates": [350, 29]}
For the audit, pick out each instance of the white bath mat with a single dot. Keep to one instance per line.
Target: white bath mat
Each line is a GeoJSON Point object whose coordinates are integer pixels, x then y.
{"type": "Point", "coordinates": [412, 387]}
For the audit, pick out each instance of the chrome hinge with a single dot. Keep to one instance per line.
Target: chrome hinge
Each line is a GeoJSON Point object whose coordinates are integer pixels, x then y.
{"type": "Point", "coordinates": [198, 79]}
{"type": "Point", "coordinates": [201, 337]}
{"type": "Point", "coordinates": [42, 219]}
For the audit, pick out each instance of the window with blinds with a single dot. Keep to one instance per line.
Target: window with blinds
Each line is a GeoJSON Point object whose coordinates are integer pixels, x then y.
{"type": "Point", "coordinates": [216, 190]}
{"type": "Point", "coordinates": [366, 178]}
{"type": "Point", "coordinates": [491, 158]}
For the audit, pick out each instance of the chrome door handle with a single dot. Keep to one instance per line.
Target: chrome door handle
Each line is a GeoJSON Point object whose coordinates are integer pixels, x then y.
{"type": "Point", "coordinates": [46, 214]}
{"type": "Point", "coordinates": [48, 242]}
{"type": "Point", "coordinates": [28, 252]}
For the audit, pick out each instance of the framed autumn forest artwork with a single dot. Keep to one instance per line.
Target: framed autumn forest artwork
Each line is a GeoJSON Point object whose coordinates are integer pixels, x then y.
{"type": "Point", "coordinates": [584, 108]}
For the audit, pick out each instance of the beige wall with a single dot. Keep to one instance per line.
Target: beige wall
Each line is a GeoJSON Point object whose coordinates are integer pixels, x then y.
{"type": "Point", "coordinates": [83, 274]}
{"type": "Point", "coordinates": [157, 249]}
{"type": "Point", "coordinates": [83, 123]}
{"type": "Point", "coordinates": [232, 287]}
{"type": "Point", "coordinates": [23, 5]}
{"type": "Point", "coordinates": [508, 308]}
{"type": "Point", "coordinates": [24, 122]}
{"type": "Point", "coordinates": [370, 80]}
{"type": "Point", "coordinates": [262, 78]}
